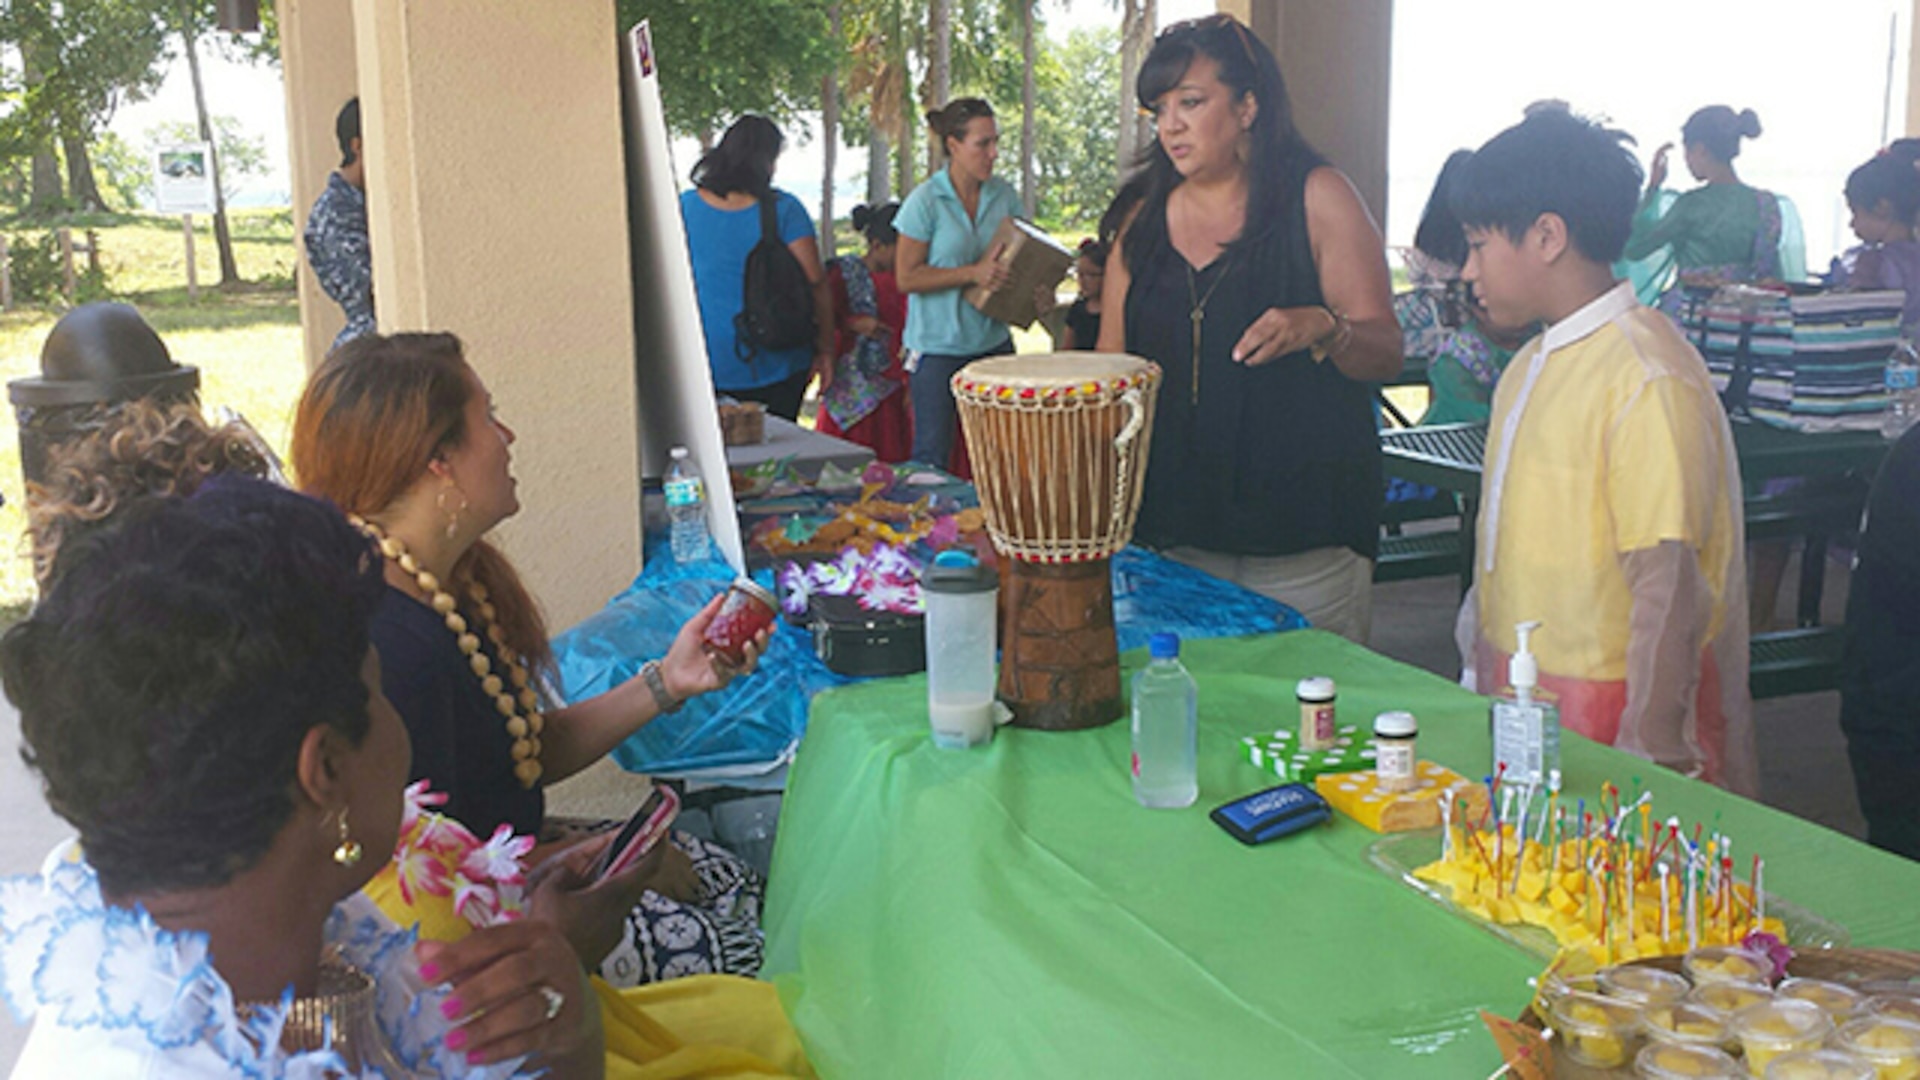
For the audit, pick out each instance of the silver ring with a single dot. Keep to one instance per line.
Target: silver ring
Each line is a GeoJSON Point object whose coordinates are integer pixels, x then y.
{"type": "Point", "coordinates": [555, 1000]}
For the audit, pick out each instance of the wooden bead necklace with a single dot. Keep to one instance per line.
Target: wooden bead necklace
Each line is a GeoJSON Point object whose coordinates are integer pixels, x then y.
{"type": "Point", "coordinates": [521, 706]}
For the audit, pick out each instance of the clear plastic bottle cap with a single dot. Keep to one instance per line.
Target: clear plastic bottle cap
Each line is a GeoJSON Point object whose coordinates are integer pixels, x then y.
{"type": "Point", "coordinates": [1314, 688]}
{"type": "Point", "coordinates": [1164, 646]}
{"type": "Point", "coordinates": [1397, 724]}
{"type": "Point", "coordinates": [677, 453]}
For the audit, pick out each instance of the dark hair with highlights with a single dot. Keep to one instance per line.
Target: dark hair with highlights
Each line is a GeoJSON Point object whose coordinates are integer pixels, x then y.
{"type": "Point", "coordinates": [1278, 155]}
{"type": "Point", "coordinates": [1553, 162]}
{"type": "Point", "coordinates": [166, 682]}
{"type": "Point", "coordinates": [373, 416]}
{"type": "Point", "coordinates": [140, 447]}
{"type": "Point", "coordinates": [743, 160]}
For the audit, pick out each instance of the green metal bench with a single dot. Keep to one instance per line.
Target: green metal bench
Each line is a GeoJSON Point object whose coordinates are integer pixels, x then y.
{"type": "Point", "coordinates": [1417, 555]}
{"type": "Point", "coordinates": [1804, 660]}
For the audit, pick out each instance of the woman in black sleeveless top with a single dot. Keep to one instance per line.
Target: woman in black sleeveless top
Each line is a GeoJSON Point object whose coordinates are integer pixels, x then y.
{"type": "Point", "coordinates": [1249, 270]}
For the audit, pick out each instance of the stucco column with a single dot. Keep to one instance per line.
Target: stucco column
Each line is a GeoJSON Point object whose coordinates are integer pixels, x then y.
{"type": "Point", "coordinates": [316, 58]}
{"type": "Point", "coordinates": [496, 200]}
{"type": "Point", "coordinates": [1336, 58]}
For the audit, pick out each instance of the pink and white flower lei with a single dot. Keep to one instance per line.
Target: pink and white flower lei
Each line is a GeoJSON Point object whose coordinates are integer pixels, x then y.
{"type": "Point", "coordinates": [437, 856]}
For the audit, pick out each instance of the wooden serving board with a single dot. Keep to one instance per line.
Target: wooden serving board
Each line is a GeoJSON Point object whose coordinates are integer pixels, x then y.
{"type": "Point", "coordinates": [1867, 970]}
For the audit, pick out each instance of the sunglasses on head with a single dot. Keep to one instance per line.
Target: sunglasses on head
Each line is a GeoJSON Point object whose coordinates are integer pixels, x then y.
{"type": "Point", "coordinates": [1214, 22]}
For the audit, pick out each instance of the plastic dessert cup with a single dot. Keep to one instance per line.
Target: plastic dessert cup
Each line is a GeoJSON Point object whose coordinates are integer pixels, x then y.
{"type": "Point", "coordinates": [1730, 997]}
{"type": "Point", "coordinates": [1839, 1001]}
{"type": "Point", "coordinates": [1642, 985]}
{"type": "Point", "coordinates": [1598, 1031]}
{"type": "Point", "coordinates": [1682, 1024]}
{"type": "Point", "coordinates": [1557, 986]}
{"type": "Point", "coordinates": [1665, 1061]}
{"type": "Point", "coordinates": [1772, 1028]}
{"type": "Point", "coordinates": [1898, 1006]}
{"type": "Point", "coordinates": [1819, 1065]}
{"type": "Point", "coordinates": [1724, 963]}
{"type": "Point", "coordinates": [1892, 1045]}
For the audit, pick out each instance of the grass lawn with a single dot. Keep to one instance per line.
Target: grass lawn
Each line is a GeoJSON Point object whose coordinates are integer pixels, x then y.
{"type": "Point", "coordinates": [246, 342]}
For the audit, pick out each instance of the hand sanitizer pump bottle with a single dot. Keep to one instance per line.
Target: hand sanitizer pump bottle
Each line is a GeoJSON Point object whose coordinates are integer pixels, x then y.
{"type": "Point", "coordinates": [1525, 720]}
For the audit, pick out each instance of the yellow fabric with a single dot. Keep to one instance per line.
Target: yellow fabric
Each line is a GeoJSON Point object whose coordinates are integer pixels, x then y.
{"type": "Point", "coordinates": [704, 1027]}
{"type": "Point", "coordinates": [1622, 445]}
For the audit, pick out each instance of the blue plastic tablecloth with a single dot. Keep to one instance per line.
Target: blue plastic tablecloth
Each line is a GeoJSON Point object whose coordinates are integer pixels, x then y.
{"type": "Point", "coordinates": [759, 720]}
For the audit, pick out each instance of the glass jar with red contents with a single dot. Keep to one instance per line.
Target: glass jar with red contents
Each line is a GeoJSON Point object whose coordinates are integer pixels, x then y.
{"type": "Point", "coordinates": [747, 610]}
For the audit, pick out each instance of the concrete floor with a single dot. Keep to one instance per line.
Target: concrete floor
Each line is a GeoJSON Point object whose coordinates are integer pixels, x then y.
{"type": "Point", "coordinates": [1803, 759]}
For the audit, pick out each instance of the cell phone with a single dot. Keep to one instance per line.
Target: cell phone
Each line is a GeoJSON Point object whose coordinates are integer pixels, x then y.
{"type": "Point", "coordinates": [641, 832]}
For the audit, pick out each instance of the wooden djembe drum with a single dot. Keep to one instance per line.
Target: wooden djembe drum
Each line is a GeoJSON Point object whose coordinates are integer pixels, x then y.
{"type": "Point", "coordinates": [1059, 450]}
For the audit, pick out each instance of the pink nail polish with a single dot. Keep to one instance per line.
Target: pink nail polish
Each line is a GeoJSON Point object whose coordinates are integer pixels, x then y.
{"type": "Point", "coordinates": [430, 972]}
{"type": "Point", "coordinates": [476, 1058]}
{"type": "Point", "coordinates": [456, 1039]}
{"type": "Point", "coordinates": [451, 1008]}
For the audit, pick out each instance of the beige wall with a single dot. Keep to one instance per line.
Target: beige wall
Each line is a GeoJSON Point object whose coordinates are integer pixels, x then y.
{"type": "Point", "coordinates": [1336, 57]}
{"type": "Point", "coordinates": [316, 57]}
{"type": "Point", "coordinates": [497, 210]}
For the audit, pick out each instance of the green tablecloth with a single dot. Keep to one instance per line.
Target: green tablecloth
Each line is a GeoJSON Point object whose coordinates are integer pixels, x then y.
{"type": "Point", "coordinates": [1011, 912]}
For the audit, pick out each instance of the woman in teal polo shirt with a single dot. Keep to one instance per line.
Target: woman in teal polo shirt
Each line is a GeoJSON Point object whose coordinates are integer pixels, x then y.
{"type": "Point", "coordinates": [946, 227]}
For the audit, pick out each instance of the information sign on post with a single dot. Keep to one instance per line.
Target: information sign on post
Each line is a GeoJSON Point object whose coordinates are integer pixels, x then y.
{"type": "Point", "coordinates": [183, 184]}
{"type": "Point", "coordinates": [183, 178]}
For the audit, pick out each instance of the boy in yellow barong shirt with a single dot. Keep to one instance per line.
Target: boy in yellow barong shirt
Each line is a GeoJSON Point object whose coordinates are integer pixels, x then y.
{"type": "Point", "coordinates": [1611, 501]}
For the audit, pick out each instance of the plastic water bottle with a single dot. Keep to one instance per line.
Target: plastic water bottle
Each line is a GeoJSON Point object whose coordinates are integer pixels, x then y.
{"type": "Point", "coordinates": [1165, 721]}
{"type": "Point", "coordinates": [1903, 392]}
{"type": "Point", "coordinates": [687, 507]}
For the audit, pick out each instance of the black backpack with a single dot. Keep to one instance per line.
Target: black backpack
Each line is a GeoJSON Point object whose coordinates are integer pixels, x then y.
{"type": "Point", "coordinates": [776, 308]}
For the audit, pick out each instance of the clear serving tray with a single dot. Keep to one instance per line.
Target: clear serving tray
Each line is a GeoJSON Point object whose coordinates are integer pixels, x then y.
{"type": "Point", "coordinates": [1398, 855]}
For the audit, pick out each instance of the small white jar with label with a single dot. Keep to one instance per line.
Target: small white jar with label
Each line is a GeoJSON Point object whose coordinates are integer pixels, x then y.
{"type": "Point", "coordinates": [1394, 734]}
{"type": "Point", "coordinates": [1318, 730]}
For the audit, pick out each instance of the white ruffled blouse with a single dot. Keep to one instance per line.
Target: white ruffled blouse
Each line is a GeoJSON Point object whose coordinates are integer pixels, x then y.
{"type": "Point", "coordinates": [111, 995]}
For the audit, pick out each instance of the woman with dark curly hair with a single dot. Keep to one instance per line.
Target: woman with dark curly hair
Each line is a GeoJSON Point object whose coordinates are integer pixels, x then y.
{"type": "Point", "coordinates": [141, 447]}
{"type": "Point", "coordinates": [198, 692]}
{"type": "Point", "coordinates": [400, 432]}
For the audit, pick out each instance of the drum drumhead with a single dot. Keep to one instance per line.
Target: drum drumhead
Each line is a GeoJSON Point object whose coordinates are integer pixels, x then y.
{"type": "Point", "coordinates": [1043, 370]}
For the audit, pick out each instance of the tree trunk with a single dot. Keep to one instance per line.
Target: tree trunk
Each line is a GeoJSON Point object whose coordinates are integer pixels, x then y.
{"type": "Point", "coordinates": [877, 171]}
{"type": "Point", "coordinates": [1028, 183]}
{"type": "Point", "coordinates": [830, 139]}
{"type": "Point", "coordinates": [1136, 37]}
{"type": "Point", "coordinates": [45, 194]}
{"type": "Point", "coordinates": [80, 182]}
{"type": "Point", "coordinates": [939, 66]}
{"type": "Point", "coordinates": [909, 118]}
{"type": "Point", "coordinates": [222, 238]}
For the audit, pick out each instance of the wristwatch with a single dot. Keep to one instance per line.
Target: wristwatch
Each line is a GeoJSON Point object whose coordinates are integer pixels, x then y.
{"type": "Point", "coordinates": [657, 685]}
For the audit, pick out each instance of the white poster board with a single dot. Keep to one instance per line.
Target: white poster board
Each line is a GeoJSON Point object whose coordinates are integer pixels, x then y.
{"type": "Point", "coordinates": [183, 178]}
{"type": "Point", "coordinates": [675, 385]}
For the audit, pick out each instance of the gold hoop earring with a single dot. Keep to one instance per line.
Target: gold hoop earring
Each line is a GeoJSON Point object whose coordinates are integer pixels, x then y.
{"type": "Point", "coordinates": [348, 852]}
{"type": "Point", "coordinates": [453, 514]}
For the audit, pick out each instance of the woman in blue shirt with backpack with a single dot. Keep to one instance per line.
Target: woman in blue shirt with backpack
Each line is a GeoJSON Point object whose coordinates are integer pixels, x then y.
{"type": "Point", "coordinates": [946, 232]}
{"type": "Point", "coordinates": [723, 221]}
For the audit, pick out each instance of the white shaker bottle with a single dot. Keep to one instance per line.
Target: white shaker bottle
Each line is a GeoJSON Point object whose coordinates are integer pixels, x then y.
{"type": "Point", "coordinates": [962, 610]}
